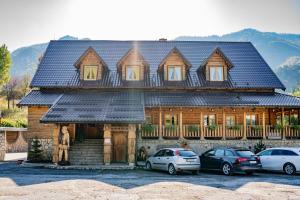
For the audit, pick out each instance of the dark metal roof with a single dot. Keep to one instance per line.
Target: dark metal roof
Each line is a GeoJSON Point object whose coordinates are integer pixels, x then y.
{"type": "Point", "coordinates": [95, 107]}
{"type": "Point", "coordinates": [249, 68]}
{"type": "Point", "coordinates": [154, 99]}
{"type": "Point", "coordinates": [38, 98]}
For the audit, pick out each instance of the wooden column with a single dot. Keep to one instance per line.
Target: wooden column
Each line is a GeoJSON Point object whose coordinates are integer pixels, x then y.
{"type": "Point", "coordinates": [55, 136]}
{"type": "Point", "coordinates": [160, 124]}
{"type": "Point", "coordinates": [3, 145]}
{"type": "Point", "coordinates": [180, 124]}
{"type": "Point", "coordinates": [107, 144]}
{"type": "Point", "coordinates": [201, 126]}
{"type": "Point", "coordinates": [245, 127]}
{"type": "Point", "coordinates": [131, 144]}
{"type": "Point", "coordinates": [264, 124]}
{"type": "Point", "coordinates": [223, 125]}
{"type": "Point", "coordinates": [282, 123]}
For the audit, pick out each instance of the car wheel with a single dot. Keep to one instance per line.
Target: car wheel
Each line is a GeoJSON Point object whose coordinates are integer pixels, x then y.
{"type": "Point", "coordinates": [195, 172]}
{"type": "Point", "coordinates": [171, 169]}
{"type": "Point", "coordinates": [289, 169]}
{"type": "Point", "coordinates": [226, 169]}
{"type": "Point", "coordinates": [148, 166]}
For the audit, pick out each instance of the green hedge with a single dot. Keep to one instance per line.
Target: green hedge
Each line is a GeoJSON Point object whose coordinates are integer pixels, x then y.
{"type": "Point", "coordinates": [13, 123]}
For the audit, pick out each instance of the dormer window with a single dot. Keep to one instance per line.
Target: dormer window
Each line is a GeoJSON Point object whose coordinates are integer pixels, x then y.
{"type": "Point", "coordinates": [174, 73]}
{"type": "Point", "coordinates": [216, 73]}
{"type": "Point", "coordinates": [132, 73]}
{"type": "Point", "coordinates": [90, 72]}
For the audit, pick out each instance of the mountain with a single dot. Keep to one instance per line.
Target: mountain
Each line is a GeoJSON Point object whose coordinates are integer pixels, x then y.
{"type": "Point", "coordinates": [274, 47]}
{"type": "Point", "coordinates": [289, 72]}
{"type": "Point", "coordinates": [25, 59]}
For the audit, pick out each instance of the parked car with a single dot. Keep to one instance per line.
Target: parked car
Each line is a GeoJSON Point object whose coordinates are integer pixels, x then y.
{"type": "Point", "coordinates": [281, 159]}
{"type": "Point", "coordinates": [230, 160]}
{"type": "Point", "coordinates": [174, 160]}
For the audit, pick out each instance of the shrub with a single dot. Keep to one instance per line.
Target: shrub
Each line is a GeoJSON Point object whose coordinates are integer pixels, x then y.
{"type": "Point", "coordinates": [7, 123]}
{"type": "Point", "coordinates": [260, 146]}
{"type": "Point", "coordinates": [278, 127]}
{"type": "Point", "coordinates": [296, 127]}
{"type": "Point", "coordinates": [21, 123]}
{"type": "Point", "coordinates": [235, 127]}
{"type": "Point", "coordinates": [36, 153]}
{"type": "Point", "coordinates": [212, 127]}
{"type": "Point", "coordinates": [193, 128]}
{"type": "Point", "coordinates": [256, 128]}
{"type": "Point", "coordinates": [148, 128]}
{"type": "Point", "coordinates": [7, 113]}
{"type": "Point", "coordinates": [171, 127]}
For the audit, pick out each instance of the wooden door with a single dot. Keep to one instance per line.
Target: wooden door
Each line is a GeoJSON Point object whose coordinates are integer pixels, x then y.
{"type": "Point", "coordinates": [119, 147]}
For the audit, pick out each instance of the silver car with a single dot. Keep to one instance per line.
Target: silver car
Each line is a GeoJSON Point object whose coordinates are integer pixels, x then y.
{"type": "Point", "coordinates": [174, 160]}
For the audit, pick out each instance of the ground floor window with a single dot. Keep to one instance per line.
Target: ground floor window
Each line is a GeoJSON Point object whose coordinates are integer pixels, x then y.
{"type": "Point", "coordinates": [230, 120]}
{"type": "Point", "coordinates": [251, 119]}
{"type": "Point", "coordinates": [289, 119]}
{"type": "Point", "coordinates": [210, 120]}
{"type": "Point", "coordinates": [171, 119]}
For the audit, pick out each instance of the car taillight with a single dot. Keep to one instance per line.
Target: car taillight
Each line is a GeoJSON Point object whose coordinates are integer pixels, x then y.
{"type": "Point", "coordinates": [177, 153]}
{"type": "Point", "coordinates": [240, 160]}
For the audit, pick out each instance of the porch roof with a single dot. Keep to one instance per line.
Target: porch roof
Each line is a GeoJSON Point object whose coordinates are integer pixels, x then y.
{"type": "Point", "coordinates": [97, 107]}
{"type": "Point", "coordinates": [192, 99]}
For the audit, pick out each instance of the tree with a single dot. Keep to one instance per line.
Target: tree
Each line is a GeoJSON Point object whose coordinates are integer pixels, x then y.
{"type": "Point", "coordinates": [296, 92]}
{"type": "Point", "coordinates": [5, 63]}
{"type": "Point", "coordinates": [10, 91]}
{"type": "Point", "coordinates": [24, 85]}
{"type": "Point", "coordinates": [36, 153]}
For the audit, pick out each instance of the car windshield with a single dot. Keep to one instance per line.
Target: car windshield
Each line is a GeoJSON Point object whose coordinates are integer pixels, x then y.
{"type": "Point", "coordinates": [186, 153]}
{"type": "Point", "coordinates": [244, 153]}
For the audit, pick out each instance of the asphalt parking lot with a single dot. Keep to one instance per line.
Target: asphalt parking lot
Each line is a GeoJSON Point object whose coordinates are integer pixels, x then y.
{"type": "Point", "coordinates": [15, 177]}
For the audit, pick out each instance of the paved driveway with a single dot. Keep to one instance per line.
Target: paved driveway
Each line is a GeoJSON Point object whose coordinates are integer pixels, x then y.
{"type": "Point", "coordinates": [33, 183]}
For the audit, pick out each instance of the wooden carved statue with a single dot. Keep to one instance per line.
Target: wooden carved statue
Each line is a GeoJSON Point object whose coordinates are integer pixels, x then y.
{"type": "Point", "coordinates": [64, 145]}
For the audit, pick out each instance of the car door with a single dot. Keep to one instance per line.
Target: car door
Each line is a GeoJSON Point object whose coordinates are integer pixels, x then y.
{"type": "Point", "coordinates": [277, 160]}
{"type": "Point", "coordinates": [206, 159]}
{"type": "Point", "coordinates": [291, 157]}
{"type": "Point", "coordinates": [265, 159]}
{"type": "Point", "coordinates": [157, 159]}
{"type": "Point", "coordinates": [167, 158]}
{"type": "Point", "coordinates": [218, 159]}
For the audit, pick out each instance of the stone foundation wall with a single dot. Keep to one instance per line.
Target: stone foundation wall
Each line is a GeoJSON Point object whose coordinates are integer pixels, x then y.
{"type": "Point", "coordinates": [47, 147]}
{"type": "Point", "coordinates": [2, 145]}
{"type": "Point", "coordinates": [200, 146]}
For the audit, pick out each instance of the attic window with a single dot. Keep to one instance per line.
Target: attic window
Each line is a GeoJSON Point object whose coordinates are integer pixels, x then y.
{"type": "Point", "coordinates": [132, 73]}
{"type": "Point", "coordinates": [216, 73]}
{"type": "Point", "coordinates": [174, 73]}
{"type": "Point", "coordinates": [90, 73]}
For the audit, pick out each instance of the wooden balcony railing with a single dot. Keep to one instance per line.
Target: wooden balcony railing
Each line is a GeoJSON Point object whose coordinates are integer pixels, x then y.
{"type": "Point", "coordinates": [170, 132]}
{"type": "Point", "coordinates": [213, 132]}
{"type": "Point", "coordinates": [150, 131]}
{"type": "Point", "coordinates": [274, 132]}
{"type": "Point", "coordinates": [292, 132]}
{"type": "Point", "coordinates": [254, 132]}
{"type": "Point", "coordinates": [191, 131]}
{"type": "Point", "coordinates": [234, 132]}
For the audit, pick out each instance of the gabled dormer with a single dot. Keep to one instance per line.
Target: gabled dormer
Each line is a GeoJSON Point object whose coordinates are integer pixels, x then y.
{"type": "Point", "coordinates": [174, 66]}
{"type": "Point", "coordinates": [90, 65]}
{"type": "Point", "coordinates": [216, 66]}
{"type": "Point", "coordinates": [132, 66]}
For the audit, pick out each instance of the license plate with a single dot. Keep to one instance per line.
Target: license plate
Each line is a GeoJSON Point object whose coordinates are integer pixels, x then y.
{"type": "Point", "coordinates": [189, 160]}
{"type": "Point", "coordinates": [252, 162]}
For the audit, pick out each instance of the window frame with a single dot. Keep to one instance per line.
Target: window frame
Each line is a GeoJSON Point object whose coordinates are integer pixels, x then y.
{"type": "Point", "coordinates": [138, 67]}
{"type": "Point", "coordinates": [234, 120]}
{"type": "Point", "coordinates": [216, 67]}
{"type": "Point", "coordinates": [209, 119]}
{"type": "Point", "coordinates": [175, 119]}
{"type": "Point", "coordinates": [256, 119]}
{"type": "Point", "coordinates": [175, 66]}
{"type": "Point", "coordinates": [90, 66]}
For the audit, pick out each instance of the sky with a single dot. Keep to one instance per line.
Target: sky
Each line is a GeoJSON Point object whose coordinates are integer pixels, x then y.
{"type": "Point", "coordinates": [26, 22]}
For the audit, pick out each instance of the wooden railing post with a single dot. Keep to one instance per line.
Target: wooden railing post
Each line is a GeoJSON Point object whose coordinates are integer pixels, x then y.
{"type": "Point", "coordinates": [201, 126]}
{"type": "Point", "coordinates": [264, 125]}
{"type": "Point", "coordinates": [223, 126]}
{"type": "Point", "coordinates": [245, 127]}
{"type": "Point", "coordinates": [160, 125]}
{"type": "Point", "coordinates": [180, 124]}
{"type": "Point", "coordinates": [282, 123]}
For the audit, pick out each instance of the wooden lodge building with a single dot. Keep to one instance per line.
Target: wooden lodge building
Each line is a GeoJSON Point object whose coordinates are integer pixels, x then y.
{"type": "Point", "coordinates": [117, 97]}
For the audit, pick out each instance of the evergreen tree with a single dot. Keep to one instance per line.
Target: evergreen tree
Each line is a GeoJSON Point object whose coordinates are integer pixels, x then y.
{"type": "Point", "coordinates": [35, 153]}
{"type": "Point", "coordinates": [5, 63]}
